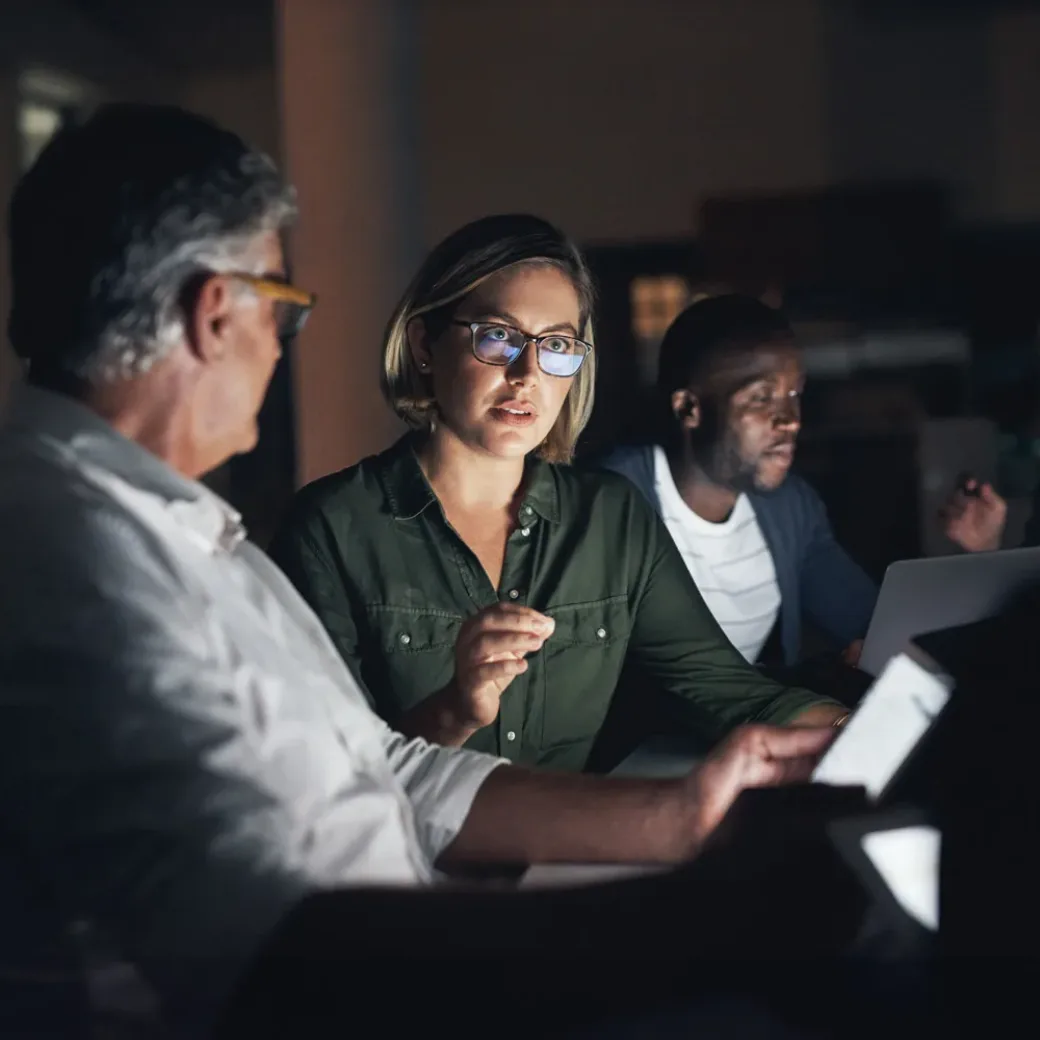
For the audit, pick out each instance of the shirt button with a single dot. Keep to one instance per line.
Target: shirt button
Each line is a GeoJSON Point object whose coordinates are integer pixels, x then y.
{"type": "Point", "coordinates": [525, 531]}
{"type": "Point", "coordinates": [514, 593]}
{"type": "Point", "coordinates": [511, 735]}
{"type": "Point", "coordinates": [405, 638]}
{"type": "Point", "coordinates": [601, 633]}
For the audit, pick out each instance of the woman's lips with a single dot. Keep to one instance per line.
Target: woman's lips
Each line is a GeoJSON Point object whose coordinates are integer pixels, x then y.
{"type": "Point", "coordinates": [514, 414]}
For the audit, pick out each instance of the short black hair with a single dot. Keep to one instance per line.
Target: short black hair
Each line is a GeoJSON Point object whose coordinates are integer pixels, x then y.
{"type": "Point", "coordinates": [712, 326]}
{"type": "Point", "coordinates": [113, 219]}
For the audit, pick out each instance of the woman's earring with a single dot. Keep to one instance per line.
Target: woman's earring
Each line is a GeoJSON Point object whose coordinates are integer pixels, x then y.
{"type": "Point", "coordinates": [423, 366]}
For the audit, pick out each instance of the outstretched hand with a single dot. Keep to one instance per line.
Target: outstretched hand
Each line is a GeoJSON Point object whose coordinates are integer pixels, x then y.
{"type": "Point", "coordinates": [752, 756]}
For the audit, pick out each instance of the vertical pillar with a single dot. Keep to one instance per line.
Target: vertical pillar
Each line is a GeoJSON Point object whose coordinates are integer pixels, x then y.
{"type": "Point", "coordinates": [345, 73]}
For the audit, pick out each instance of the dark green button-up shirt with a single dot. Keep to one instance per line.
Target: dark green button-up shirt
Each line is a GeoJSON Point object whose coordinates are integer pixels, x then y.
{"type": "Point", "coordinates": [370, 550]}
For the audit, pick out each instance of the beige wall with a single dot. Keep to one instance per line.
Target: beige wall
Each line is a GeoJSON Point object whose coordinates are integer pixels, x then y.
{"type": "Point", "coordinates": [658, 107]}
{"type": "Point", "coordinates": [663, 103]}
{"type": "Point", "coordinates": [339, 131]}
{"type": "Point", "coordinates": [245, 100]}
{"type": "Point", "coordinates": [615, 118]}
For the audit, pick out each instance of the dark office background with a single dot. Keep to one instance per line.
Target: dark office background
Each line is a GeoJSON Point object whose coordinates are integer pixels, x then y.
{"type": "Point", "coordinates": [874, 166]}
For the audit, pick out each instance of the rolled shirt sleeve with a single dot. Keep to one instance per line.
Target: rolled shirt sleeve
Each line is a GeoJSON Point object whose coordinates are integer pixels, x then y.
{"type": "Point", "coordinates": [441, 784]}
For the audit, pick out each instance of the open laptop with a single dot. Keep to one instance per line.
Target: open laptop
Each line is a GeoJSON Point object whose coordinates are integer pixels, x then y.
{"type": "Point", "coordinates": [926, 595]}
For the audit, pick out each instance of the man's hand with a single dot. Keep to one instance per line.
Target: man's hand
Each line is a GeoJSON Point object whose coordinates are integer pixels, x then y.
{"type": "Point", "coordinates": [752, 756]}
{"type": "Point", "coordinates": [522, 815]}
{"type": "Point", "coordinates": [852, 653]}
{"type": "Point", "coordinates": [974, 517]}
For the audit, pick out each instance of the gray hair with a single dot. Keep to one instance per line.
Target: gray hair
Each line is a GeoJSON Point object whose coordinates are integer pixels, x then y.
{"type": "Point", "coordinates": [112, 225]}
{"type": "Point", "coordinates": [152, 321]}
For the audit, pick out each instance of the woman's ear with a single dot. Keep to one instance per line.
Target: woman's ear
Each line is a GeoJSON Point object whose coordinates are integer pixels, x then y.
{"type": "Point", "coordinates": [419, 344]}
{"type": "Point", "coordinates": [686, 408]}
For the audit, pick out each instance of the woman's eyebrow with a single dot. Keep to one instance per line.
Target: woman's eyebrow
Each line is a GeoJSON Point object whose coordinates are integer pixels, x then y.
{"type": "Point", "coordinates": [509, 319]}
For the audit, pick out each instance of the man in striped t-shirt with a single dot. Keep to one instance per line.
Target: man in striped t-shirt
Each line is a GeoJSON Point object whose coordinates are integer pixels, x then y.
{"type": "Point", "coordinates": [729, 560]}
{"type": "Point", "coordinates": [755, 537]}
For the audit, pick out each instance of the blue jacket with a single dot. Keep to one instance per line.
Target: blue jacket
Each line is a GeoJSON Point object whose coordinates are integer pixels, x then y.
{"type": "Point", "coordinates": [815, 575]}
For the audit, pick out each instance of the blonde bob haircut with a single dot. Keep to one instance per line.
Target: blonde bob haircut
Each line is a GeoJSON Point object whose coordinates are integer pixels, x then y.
{"type": "Point", "coordinates": [449, 274]}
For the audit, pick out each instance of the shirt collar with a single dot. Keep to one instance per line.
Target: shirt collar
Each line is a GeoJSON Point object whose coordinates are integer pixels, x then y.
{"type": "Point", "coordinates": [91, 442]}
{"type": "Point", "coordinates": [409, 494]}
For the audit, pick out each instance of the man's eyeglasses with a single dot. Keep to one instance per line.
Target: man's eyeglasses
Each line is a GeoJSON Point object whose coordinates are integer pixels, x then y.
{"type": "Point", "coordinates": [291, 305]}
{"type": "Point", "coordinates": [496, 344]}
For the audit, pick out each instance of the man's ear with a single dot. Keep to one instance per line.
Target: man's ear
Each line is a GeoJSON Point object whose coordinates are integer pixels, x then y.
{"type": "Point", "coordinates": [207, 306]}
{"type": "Point", "coordinates": [419, 344]}
{"type": "Point", "coordinates": [686, 408]}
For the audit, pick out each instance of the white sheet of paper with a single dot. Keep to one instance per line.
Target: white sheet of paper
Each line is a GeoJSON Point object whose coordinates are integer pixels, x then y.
{"type": "Point", "coordinates": [892, 717]}
{"type": "Point", "coordinates": [908, 859]}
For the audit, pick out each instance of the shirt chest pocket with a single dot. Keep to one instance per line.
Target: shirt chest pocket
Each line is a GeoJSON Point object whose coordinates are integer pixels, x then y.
{"type": "Point", "coordinates": [406, 654]}
{"type": "Point", "coordinates": [582, 661]}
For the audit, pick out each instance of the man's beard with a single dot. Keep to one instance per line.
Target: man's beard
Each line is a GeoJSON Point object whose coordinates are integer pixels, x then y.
{"type": "Point", "coordinates": [720, 460]}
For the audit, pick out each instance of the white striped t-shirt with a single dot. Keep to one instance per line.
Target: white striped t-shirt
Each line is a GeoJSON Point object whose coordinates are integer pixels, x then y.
{"type": "Point", "coordinates": [729, 561]}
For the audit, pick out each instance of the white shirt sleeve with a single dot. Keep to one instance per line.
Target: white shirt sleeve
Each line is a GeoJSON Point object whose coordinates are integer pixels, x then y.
{"type": "Point", "coordinates": [441, 784]}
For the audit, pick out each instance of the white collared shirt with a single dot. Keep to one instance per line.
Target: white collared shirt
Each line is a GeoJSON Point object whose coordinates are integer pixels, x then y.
{"type": "Point", "coordinates": [183, 753]}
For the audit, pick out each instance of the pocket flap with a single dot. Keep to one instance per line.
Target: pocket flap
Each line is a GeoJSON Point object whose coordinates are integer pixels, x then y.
{"type": "Point", "coordinates": [597, 623]}
{"type": "Point", "coordinates": [413, 630]}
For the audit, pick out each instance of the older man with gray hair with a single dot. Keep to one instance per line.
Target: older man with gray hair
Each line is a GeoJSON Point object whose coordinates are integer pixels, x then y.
{"type": "Point", "coordinates": [185, 761]}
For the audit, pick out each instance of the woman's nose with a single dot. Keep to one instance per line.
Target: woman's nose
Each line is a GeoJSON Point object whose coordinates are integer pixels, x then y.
{"type": "Point", "coordinates": [524, 370]}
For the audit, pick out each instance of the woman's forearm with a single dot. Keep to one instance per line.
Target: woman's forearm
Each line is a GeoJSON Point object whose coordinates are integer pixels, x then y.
{"type": "Point", "coordinates": [436, 719]}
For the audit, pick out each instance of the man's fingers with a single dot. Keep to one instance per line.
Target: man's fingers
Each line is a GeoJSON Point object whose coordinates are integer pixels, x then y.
{"type": "Point", "coordinates": [989, 496]}
{"type": "Point", "coordinates": [953, 508]}
{"type": "Point", "coordinates": [852, 653]}
{"type": "Point", "coordinates": [771, 755]}
{"type": "Point", "coordinates": [779, 771]}
{"type": "Point", "coordinates": [792, 742]}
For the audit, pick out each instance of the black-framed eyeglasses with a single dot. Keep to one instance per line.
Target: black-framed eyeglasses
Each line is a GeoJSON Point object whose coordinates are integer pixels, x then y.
{"type": "Point", "coordinates": [497, 344]}
{"type": "Point", "coordinates": [292, 306]}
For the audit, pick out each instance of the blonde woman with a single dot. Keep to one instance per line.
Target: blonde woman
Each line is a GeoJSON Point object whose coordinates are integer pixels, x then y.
{"type": "Point", "coordinates": [486, 593]}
